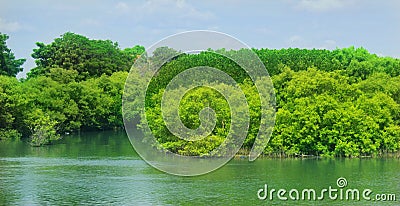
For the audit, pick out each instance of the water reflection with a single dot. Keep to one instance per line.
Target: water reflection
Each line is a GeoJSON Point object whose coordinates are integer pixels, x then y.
{"type": "Point", "coordinates": [102, 168]}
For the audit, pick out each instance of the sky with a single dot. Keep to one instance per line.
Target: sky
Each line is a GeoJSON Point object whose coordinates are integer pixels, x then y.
{"type": "Point", "coordinates": [328, 24]}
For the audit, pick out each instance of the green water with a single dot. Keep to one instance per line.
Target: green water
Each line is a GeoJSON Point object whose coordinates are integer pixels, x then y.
{"type": "Point", "coordinates": [102, 168]}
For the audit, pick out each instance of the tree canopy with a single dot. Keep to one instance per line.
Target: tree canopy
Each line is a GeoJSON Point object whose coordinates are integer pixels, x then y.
{"type": "Point", "coordinates": [90, 58]}
{"type": "Point", "coordinates": [9, 66]}
{"type": "Point", "coordinates": [344, 102]}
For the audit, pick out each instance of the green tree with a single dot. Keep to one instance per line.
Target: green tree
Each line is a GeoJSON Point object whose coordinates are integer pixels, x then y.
{"type": "Point", "coordinates": [10, 101]}
{"type": "Point", "coordinates": [42, 127]}
{"type": "Point", "coordinates": [8, 64]}
{"type": "Point", "coordinates": [90, 58]}
{"type": "Point", "coordinates": [134, 52]}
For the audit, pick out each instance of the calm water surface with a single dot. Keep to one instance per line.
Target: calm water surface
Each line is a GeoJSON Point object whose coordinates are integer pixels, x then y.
{"type": "Point", "coordinates": [102, 168]}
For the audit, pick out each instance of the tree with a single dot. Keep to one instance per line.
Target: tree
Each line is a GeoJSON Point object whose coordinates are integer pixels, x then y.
{"type": "Point", "coordinates": [90, 58]}
{"type": "Point", "coordinates": [42, 128]}
{"type": "Point", "coordinates": [8, 64]}
{"type": "Point", "coordinates": [9, 107]}
{"type": "Point", "coordinates": [135, 51]}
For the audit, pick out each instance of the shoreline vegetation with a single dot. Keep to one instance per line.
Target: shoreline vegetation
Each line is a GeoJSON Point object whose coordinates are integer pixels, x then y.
{"type": "Point", "coordinates": [245, 155]}
{"type": "Point", "coordinates": [329, 103]}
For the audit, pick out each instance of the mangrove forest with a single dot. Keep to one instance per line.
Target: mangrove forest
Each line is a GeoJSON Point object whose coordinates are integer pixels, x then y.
{"type": "Point", "coordinates": [343, 102]}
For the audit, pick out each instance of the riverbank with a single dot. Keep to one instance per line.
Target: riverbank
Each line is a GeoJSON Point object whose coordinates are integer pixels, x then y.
{"type": "Point", "coordinates": [245, 153]}
{"type": "Point", "coordinates": [242, 153]}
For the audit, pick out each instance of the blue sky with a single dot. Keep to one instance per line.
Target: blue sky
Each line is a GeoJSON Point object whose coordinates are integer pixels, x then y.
{"type": "Point", "coordinates": [372, 24]}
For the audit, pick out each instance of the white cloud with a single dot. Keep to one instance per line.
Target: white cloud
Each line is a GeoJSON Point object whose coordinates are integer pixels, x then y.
{"type": "Point", "coordinates": [177, 8]}
{"type": "Point", "coordinates": [329, 44]}
{"type": "Point", "coordinates": [122, 7]}
{"type": "Point", "coordinates": [191, 12]}
{"type": "Point", "coordinates": [90, 22]}
{"type": "Point", "coordinates": [321, 5]}
{"type": "Point", "coordinates": [264, 31]}
{"type": "Point", "coordinates": [9, 26]}
{"type": "Point", "coordinates": [297, 41]}
{"type": "Point", "coordinates": [215, 28]}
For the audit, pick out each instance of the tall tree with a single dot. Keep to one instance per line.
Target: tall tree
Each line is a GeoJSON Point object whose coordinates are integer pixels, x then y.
{"type": "Point", "coordinates": [8, 64]}
{"type": "Point", "coordinates": [89, 57]}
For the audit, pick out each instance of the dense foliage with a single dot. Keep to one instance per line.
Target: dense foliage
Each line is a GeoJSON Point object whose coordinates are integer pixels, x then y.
{"type": "Point", "coordinates": [90, 58]}
{"type": "Point", "coordinates": [343, 102]}
{"type": "Point", "coordinates": [77, 85]}
{"type": "Point", "coordinates": [334, 103]}
{"type": "Point", "coordinates": [46, 106]}
{"type": "Point", "coordinates": [9, 66]}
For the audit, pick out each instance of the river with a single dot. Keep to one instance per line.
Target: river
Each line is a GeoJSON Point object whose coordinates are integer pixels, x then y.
{"type": "Point", "coordinates": [102, 168]}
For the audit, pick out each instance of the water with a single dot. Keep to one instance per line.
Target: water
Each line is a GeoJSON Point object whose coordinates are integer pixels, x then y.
{"type": "Point", "coordinates": [102, 168]}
